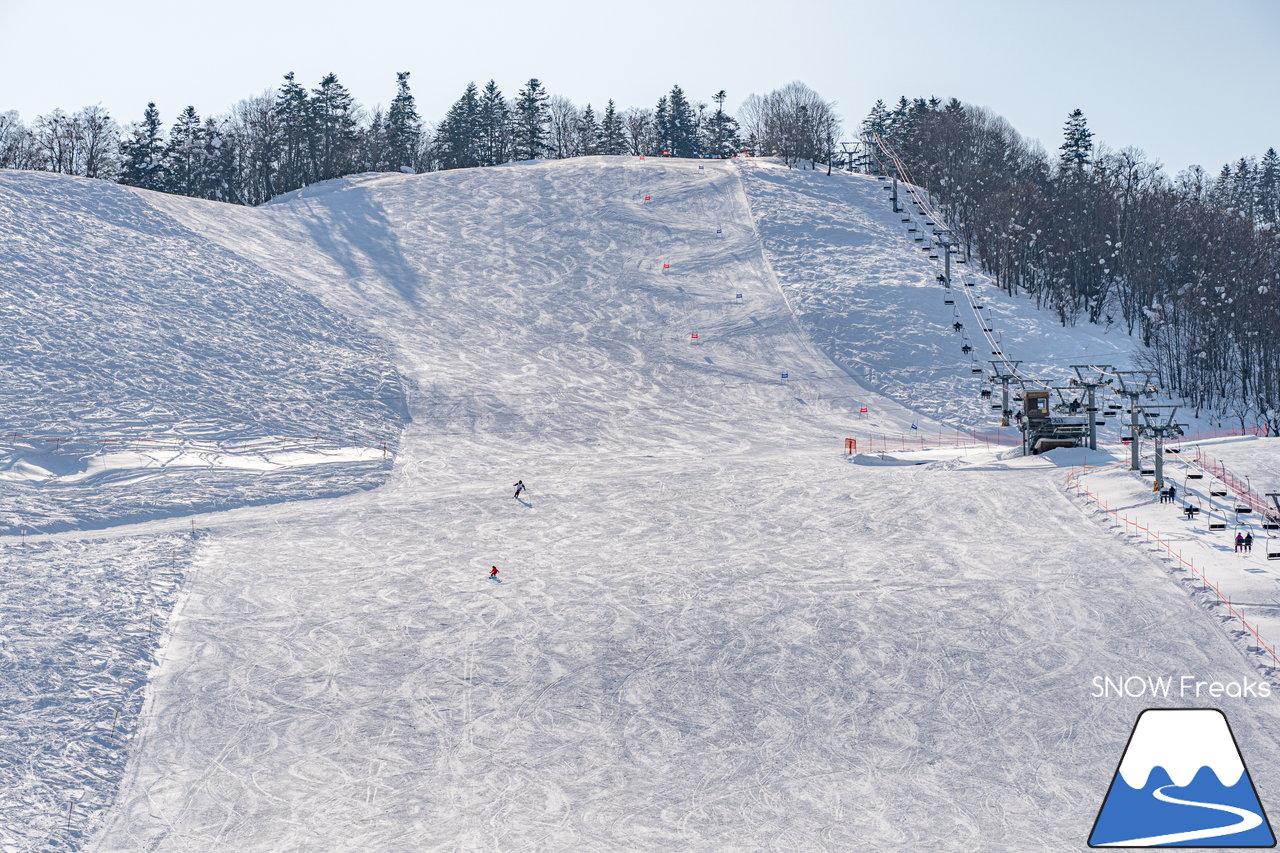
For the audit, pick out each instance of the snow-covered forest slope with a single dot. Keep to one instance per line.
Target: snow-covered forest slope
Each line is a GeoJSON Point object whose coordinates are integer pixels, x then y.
{"type": "Point", "coordinates": [712, 629]}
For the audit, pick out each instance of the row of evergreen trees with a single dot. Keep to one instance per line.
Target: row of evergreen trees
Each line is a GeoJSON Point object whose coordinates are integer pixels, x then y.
{"type": "Point", "coordinates": [1191, 263]}
{"type": "Point", "coordinates": [280, 141]}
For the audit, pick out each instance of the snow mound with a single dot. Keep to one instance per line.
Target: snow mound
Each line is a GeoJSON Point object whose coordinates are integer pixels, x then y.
{"type": "Point", "coordinates": [131, 329]}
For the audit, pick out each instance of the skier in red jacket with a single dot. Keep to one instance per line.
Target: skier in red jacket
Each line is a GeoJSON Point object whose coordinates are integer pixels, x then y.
{"type": "Point", "coordinates": [493, 573]}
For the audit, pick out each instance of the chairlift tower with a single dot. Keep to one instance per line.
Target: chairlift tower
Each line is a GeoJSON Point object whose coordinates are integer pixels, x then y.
{"type": "Point", "coordinates": [1090, 378]}
{"type": "Point", "coordinates": [1002, 372]}
{"type": "Point", "coordinates": [1134, 384]}
{"type": "Point", "coordinates": [849, 148]}
{"type": "Point", "coordinates": [1159, 430]}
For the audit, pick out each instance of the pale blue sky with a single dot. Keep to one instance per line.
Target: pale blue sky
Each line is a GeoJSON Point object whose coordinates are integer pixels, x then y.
{"type": "Point", "coordinates": [1185, 81]}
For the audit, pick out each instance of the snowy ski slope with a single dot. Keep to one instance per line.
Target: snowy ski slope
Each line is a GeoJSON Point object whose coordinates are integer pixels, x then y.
{"type": "Point", "coordinates": [713, 630]}
{"type": "Point", "coordinates": [145, 361]}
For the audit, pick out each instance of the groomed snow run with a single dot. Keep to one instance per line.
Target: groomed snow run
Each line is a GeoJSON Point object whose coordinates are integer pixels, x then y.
{"type": "Point", "coordinates": [713, 630]}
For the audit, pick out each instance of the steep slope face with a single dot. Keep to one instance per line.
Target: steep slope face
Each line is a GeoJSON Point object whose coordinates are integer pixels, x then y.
{"type": "Point", "coordinates": [711, 631]}
{"type": "Point", "coordinates": [867, 292]}
{"type": "Point", "coordinates": [551, 301]}
{"type": "Point", "coordinates": [144, 355]}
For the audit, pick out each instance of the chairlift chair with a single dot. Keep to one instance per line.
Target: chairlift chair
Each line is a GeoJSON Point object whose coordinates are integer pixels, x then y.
{"type": "Point", "coordinates": [1273, 548]}
{"type": "Point", "coordinates": [1195, 476]}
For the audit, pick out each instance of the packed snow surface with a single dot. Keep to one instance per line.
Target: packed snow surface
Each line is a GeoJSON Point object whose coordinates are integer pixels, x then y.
{"type": "Point", "coordinates": [135, 341]}
{"type": "Point", "coordinates": [712, 629]}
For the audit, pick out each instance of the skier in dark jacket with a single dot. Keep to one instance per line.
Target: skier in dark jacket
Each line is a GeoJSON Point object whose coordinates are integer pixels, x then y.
{"type": "Point", "coordinates": [519, 484]}
{"type": "Point", "coordinates": [1248, 543]}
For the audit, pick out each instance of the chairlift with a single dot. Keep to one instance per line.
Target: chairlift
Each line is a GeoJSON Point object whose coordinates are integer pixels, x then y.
{"type": "Point", "coordinates": [977, 371]}
{"type": "Point", "coordinates": [933, 257]}
{"type": "Point", "coordinates": [919, 239]}
{"type": "Point", "coordinates": [1195, 476]}
{"type": "Point", "coordinates": [1273, 548]}
{"type": "Point", "coordinates": [966, 349]}
{"type": "Point", "coordinates": [1217, 525]}
{"type": "Point", "coordinates": [948, 302]}
{"type": "Point", "coordinates": [960, 260]}
{"type": "Point", "coordinates": [911, 230]}
{"type": "Point", "coordinates": [985, 393]}
{"type": "Point", "coordinates": [942, 278]}
{"type": "Point", "coordinates": [906, 219]}
{"type": "Point", "coordinates": [968, 284]}
{"type": "Point", "coordinates": [1147, 472]}
{"type": "Point", "coordinates": [1243, 510]}
{"type": "Point", "coordinates": [1218, 492]}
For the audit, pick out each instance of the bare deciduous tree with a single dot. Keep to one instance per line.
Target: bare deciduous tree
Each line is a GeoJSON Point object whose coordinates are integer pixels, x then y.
{"type": "Point", "coordinates": [564, 127]}
{"type": "Point", "coordinates": [793, 123]}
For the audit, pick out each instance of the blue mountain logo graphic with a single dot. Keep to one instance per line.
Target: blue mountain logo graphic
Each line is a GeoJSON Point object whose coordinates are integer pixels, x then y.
{"type": "Point", "coordinates": [1181, 783]}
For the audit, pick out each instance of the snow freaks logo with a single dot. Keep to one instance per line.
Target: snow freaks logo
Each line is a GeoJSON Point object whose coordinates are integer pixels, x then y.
{"type": "Point", "coordinates": [1181, 783]}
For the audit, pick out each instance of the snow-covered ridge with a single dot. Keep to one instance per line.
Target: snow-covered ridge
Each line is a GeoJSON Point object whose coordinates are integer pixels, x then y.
{"type": "Point", "coordinates": [127, 326]}
{"type": "Point", "coordinates": [1181, 741]}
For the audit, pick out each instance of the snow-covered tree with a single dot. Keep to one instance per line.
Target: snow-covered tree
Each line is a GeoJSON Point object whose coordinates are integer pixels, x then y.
{"type": "Point", "coordinates": [613, 136]}
{"type": "Point", "coordinates": [294, 121]}
{"type": "Point", "coordinates": [216, 170]}
{"type": "Point", "coordinates": [143, 153]}
{"type": "Point", "coordinates": [1267, 188]}
{"type": "Point", "coordinates": [403, 128]}
{"type": "Point", "coordinates": [588, 133]}
{"type": "Point", "coordinates": [334, 119]}
{"type": "Point", "coordinates": [1076, 150]}
{"type": "Point", "coordinates": [721, 131]}
{"type": "Point", "coordinates": [184, 155]}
